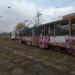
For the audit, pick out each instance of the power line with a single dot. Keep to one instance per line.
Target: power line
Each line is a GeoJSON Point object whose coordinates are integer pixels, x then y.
{"type": "Point", "coordinates": [10, 6]}
{"type": "Point", "coordinates": [16, 3]}
{"type": "Point", "coordinates": [6, 9]}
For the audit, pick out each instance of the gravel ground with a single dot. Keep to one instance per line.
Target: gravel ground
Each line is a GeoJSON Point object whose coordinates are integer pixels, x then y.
{"type": "Point", "coordinates": [18, 59]}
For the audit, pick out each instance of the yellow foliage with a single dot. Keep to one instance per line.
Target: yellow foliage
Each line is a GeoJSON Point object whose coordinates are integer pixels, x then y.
{"type": "Point", "coordinates": [19, 26]}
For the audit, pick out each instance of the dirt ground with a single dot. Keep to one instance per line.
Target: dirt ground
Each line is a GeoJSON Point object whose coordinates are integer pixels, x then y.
{"type": "Point", "coordinates": [20, 59]}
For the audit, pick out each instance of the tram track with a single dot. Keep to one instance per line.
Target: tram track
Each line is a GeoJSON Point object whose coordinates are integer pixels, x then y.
{"type": "Point", "coordinates": [47, 58]}
{"type": "Point", "coordinates": [38, 60]}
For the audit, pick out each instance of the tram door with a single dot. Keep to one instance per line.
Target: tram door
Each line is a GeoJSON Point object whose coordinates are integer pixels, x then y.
{"type": "Point", "coordinates": [71, 31]}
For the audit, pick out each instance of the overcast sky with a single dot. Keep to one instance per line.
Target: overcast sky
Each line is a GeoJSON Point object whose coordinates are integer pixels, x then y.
{"type": "Point", "coordinates": [21, 10]}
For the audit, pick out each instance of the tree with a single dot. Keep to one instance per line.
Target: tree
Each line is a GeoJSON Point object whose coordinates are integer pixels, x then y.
{"type": "Point", "coordinates": [20, 25]}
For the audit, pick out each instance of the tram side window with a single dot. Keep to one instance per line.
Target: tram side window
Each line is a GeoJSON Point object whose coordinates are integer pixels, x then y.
{"type": "Point", "coordinates": [49, 30]}
{"type": "Point", "coordinates": [20, 33]}
{"type": "Point", "coordinates": [46, 30]}
{"type": "Point", "coordinates": [42, 30]}
{"type": "Point", "coordinates": [29, 32]}
{"type": "Point", "coordinates": [73, 29]}
{"type": "Point", "coordinates": [62, 30]}
{"type": "Point", "coordinates": [57, 30]}
{"type": "Point", "coordinates": [24, 32]}
{"type": "Point", "coordinates": [36, 30]}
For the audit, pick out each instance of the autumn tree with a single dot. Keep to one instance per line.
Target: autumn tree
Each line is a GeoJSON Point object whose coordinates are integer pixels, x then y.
{"type": "Point", "coordinates": [20, 26]}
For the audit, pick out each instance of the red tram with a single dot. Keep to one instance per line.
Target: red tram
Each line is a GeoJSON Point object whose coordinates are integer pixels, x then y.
{"type": "Point", "coordinates": [59, 33]}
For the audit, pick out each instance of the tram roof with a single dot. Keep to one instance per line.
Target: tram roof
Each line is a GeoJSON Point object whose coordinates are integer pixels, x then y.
{"type": "Point", "coordinates": [70, 15]}
{"type": "Point", "coordinates": [64, 20]}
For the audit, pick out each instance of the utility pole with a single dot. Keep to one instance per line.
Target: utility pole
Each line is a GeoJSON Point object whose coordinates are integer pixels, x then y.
{"type": "Point", "coordinates": [38, 18]}
{"type": "Point", "coordinates": [35, 28]}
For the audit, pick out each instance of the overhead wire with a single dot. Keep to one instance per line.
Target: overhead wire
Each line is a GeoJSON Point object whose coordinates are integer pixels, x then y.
{"type": "Point", "coordinates": [10, 6]}
{"type": "Point", "coordinates": [5, 11]}
{"type": "Point", "coordinates": [17, 3]}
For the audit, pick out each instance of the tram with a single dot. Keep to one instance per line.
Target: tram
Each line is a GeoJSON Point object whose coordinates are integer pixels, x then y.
{"type": "Point", "coordinates": [60, 33]}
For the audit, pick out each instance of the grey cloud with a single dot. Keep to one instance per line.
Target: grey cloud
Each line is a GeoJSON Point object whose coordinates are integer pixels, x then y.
{"type": "Point", "coordinates": [23, 11]}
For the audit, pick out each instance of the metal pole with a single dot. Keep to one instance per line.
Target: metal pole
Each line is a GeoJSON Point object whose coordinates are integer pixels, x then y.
{"type": "Point", "coordinates": [70, 26]}
{"type": "Point", "coordinates": [38, 15]}
{"type": "Point", "coordinates": [54, 30]}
